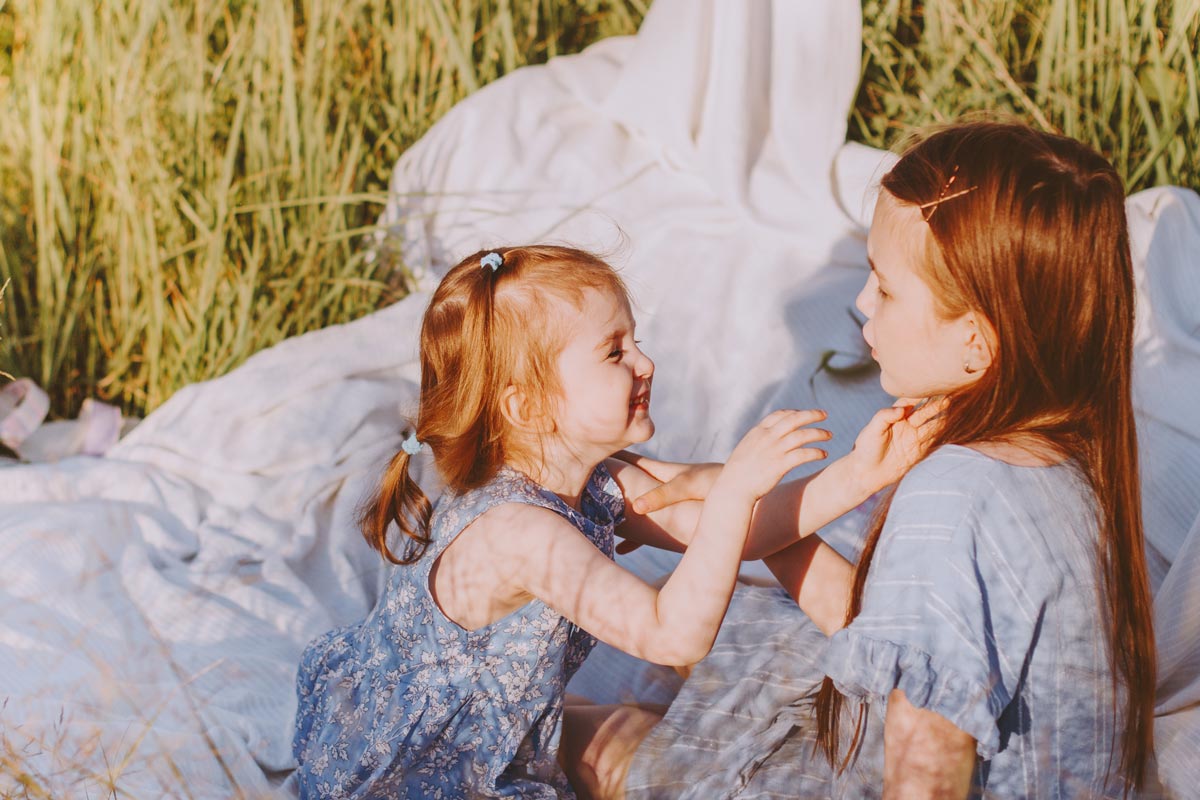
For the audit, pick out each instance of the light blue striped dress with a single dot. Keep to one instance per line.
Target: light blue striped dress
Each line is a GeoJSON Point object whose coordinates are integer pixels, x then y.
{"type": "Point", "coordinates": [981, 604]}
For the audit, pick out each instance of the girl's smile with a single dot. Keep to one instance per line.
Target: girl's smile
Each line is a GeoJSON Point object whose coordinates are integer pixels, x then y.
{"type": "Point", "coordinates": [605, 378]}
{"type": "Point", "coordinates": [641, 401]}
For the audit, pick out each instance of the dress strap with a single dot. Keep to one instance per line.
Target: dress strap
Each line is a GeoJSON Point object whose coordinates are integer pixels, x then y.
{"type": "Point", "coordinates": [603, 508]}
{"type": "Point", "coordinates": [454, 512]}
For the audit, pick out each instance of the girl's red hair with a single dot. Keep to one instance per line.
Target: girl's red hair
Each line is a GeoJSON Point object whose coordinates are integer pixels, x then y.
{"type": "Point", "coordinates": [1035, 239]}
{"type": "Point", "coordinates": [484, 331]}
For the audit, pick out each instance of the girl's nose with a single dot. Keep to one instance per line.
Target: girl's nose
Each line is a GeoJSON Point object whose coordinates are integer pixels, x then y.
{"type": "Point", "coordinates": [644, 366]}
{"type": "Point", "coordinates": [865, 302]}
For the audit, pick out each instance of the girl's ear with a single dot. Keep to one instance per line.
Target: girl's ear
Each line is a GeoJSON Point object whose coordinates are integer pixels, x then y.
{"type": "Point", "coordinates": [515, 408]}
{"type": "Point", "coordinates": [981, 342]}
{"type": "Point", "coordinates": [522, 414]}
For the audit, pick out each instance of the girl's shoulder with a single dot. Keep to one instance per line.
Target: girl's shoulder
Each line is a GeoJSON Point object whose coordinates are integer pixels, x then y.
{"type": "Point", "coordinates": [945, 483]}
{"type": "Point", "coordinates": [511, 497]}
{"type": "Point", "coordinates": [956, 469]}
{"type": "Point", "coordinates": [955, 481]}
{"type": "Point", "coordinates": [968, 493]}
{"type": "Point", "coordinates": [951, 459]}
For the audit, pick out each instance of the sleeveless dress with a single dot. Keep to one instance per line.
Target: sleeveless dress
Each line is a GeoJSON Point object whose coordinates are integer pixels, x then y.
{"type": "Point", "coordinates": [408, 704]}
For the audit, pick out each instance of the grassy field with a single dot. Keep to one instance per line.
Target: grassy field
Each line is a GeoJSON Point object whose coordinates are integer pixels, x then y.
{"type": "Point", "coordinates": [187, 183]}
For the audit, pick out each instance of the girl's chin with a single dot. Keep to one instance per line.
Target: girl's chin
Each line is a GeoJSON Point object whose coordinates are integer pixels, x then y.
{"type": "Point", "coordinates": [641, 430]}
{"type": "Point", "coordinates": [897, 389]}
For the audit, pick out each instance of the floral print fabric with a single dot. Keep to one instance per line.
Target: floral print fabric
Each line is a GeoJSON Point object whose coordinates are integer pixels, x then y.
{"type": "Point", "coordinates": [408, 704]}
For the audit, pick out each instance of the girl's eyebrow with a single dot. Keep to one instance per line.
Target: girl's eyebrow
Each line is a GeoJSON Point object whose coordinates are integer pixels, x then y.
{"type": "Point", "coordinates": [615, 335]}
{"type": "Point", "coordinates": [874, 268]}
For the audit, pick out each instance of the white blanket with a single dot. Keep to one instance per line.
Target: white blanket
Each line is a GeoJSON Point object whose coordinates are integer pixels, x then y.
{"type": "Point", "coordinates": [153, 603]}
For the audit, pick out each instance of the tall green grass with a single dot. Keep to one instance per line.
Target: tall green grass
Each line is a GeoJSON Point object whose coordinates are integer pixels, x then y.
{"type": "Point", "coordinates": [187, 183]}
{"type": "Point", "coordinates": [1122, 75]}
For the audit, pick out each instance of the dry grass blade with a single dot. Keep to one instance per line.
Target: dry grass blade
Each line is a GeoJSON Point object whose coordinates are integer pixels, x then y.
{"type": "Point", "coordinates": [1118, 74]}
{"type": "Point", "coordinates": [3, 289]}
{"type": "Point", "coordinates": [181, 180]}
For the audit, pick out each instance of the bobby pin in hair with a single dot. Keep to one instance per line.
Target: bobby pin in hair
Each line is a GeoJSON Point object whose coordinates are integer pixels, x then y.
{"type": "Point", "coordinates": [927, 209]}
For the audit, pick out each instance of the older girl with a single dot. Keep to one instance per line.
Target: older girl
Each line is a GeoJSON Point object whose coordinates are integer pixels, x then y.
{"type": "Point", "coordinates": [994, 636]}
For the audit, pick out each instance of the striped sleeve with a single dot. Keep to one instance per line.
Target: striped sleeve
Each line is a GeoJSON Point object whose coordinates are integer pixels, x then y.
{"type": "Point", "coordinates": [947, 615]}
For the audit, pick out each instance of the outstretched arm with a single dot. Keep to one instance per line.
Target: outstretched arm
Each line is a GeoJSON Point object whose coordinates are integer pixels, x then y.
{"type": "Point", "coordinates": [817, 578]}
{"type": "Point", "coordinates": [788, 512]}
{"type": "Point", "coordinates": [667, 528]}
{"type": "Point", "coordinates": [883, 451]}
{"type": "Point", "coordinates": [677, 623]}
{"type": "Point", "coordinates": [812, 572]}
{"type": "Point", "coordinates": [663, 505]}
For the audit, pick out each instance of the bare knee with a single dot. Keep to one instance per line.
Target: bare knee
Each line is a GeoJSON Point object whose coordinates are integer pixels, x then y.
{"type": "Point", "coordinates": [598, 743]}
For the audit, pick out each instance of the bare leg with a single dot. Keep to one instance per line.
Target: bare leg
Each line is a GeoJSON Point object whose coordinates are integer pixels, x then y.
{"type": "Point", "coordinates": [598, 743]}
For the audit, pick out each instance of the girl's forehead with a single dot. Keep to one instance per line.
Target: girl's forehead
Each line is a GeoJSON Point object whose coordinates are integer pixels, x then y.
{"type": "Point", "coordinates": [898, 237]}
{"type": "Point", "coordinates": [606, 306]}
{"type": "Point", "coordinates": [586, 302]}
{"type": "Point", "coordinates": [585, 321]}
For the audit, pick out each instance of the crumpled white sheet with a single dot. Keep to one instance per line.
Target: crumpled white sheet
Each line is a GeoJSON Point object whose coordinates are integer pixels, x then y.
{"type": "Point", "coordinates": [1165, 232]}
{"type": "Point", "coordinates": [156, 600]}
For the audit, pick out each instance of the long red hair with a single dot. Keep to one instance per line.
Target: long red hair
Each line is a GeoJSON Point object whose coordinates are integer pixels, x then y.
{"type": "Point", "coordinates": [1040, 247]}
{"type": "Point", "coordinates": [484, 331]}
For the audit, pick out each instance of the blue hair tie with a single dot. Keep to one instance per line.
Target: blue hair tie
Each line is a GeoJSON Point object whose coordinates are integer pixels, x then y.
{"type": "Point", "coordinates": [411, 445]}
{"type": "Point", "coordinates": [493, 260]}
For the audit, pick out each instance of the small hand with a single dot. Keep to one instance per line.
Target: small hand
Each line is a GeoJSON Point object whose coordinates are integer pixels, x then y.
{"type": "Point", "coordinates": [662, 471]}
{"type": "Point", "coordinates": [894, 440]}
{"type": "Point", "coordinates": [771, 449]}
{"type": "Point", "coordinates": [691, 483]}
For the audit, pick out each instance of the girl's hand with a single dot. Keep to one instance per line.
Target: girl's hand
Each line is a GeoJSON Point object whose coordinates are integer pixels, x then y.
{"type": "Point", "coordinates": [893, 441]}
{"type": "Point", "coordinates": [661, 471]}
{"type": "Point", "coordinates": [771, 449]}
{"type": "Point", "coordinates": [692, 483]}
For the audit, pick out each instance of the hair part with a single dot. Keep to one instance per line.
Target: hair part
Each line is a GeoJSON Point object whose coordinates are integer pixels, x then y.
{"type": "Point", "coordinates": [1039, 247]}
{"type": "Point", "coordinates": [485, 331]}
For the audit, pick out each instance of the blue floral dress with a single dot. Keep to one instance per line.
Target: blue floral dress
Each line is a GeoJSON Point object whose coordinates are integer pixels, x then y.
{"type": "Point", "coordinates": [408, 704]}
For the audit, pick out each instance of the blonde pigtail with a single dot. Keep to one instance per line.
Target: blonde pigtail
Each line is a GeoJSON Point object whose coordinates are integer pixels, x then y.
{"type": "Point", "coordinates": [401, 500]}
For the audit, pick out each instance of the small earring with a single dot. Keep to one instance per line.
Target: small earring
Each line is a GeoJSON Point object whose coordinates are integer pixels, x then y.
{"type": "Point", "coordinates": [967, 367]}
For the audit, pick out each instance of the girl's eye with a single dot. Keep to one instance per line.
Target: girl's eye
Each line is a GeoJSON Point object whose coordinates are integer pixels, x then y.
{"type": "Point", "coordinates": [881, 292]}
{"type": "Point", "coordinates": [616, 353]}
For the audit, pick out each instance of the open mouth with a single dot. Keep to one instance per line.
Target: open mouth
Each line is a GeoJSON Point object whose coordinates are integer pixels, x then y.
{"type": "Point", "coordinates": [641, 401]}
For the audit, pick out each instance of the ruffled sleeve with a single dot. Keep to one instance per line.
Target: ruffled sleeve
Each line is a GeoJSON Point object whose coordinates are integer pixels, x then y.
{"type": "Point", "coordinates": [952, 608]}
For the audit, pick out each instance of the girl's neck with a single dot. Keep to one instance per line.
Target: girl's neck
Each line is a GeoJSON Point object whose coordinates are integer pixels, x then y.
{"type": "Point", "coordinates": [564, 474]}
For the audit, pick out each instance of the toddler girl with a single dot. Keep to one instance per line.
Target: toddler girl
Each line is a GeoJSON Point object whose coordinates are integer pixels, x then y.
{"type": "Point", "coordinates": [453, 685]}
